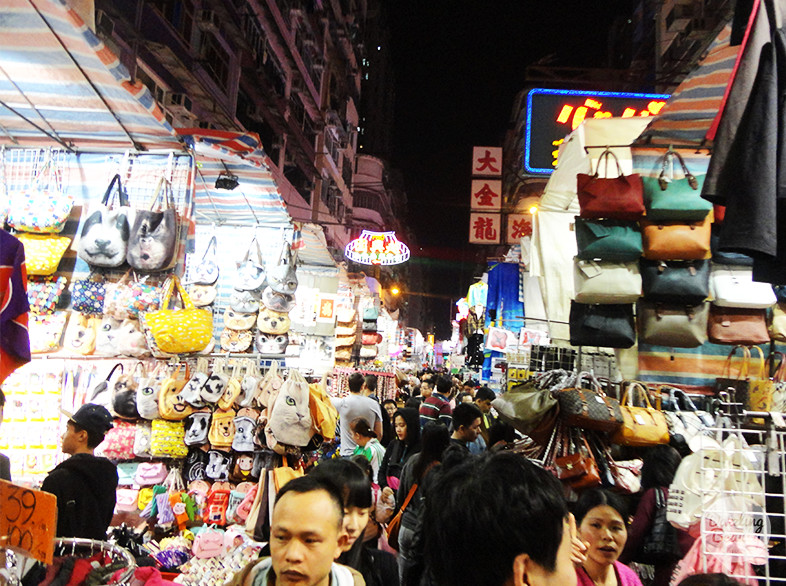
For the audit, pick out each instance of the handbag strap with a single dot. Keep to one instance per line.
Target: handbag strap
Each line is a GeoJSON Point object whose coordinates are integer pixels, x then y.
{"type": "Point", "coordinates": [165, 187]}
{"type": "Point", "coordinates": [662, 180]}
{"type": "Point", "coordinates": [637, 387]}
{"type": "Point", "coordinates": [604, 156]}
{"type": "Point", "coordinates": [211, 249]}
{"type": "Point", "coordinates": [763, 374]}
{"type": "Point", "coordinates": [122, 196]}
{"type": "Point", "coordinates": [411, 493]}
{"type": "Point", "coordinates": [174, 284]}
{"type": "Point", "coordinates": [746, 355]}
{"type": "Point", "coordinates": [114, 368]}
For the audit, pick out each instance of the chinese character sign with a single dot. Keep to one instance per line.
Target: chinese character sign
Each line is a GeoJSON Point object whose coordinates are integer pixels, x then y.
{"type": "Point", "coordinates": [487, 161]}
{"type": "Point", "coordinates": [486, 195]}
{"type": "Point", "coordinates": [484, 228]}
{"type": "Point", "coordinates": [519, 225]}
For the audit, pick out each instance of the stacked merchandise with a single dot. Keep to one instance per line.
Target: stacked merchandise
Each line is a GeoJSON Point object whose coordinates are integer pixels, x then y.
{"type": "Point", "coordinates": [370, 337]}
{"type": "Point", "coordinates": [646, 240]}
{"type": "Point", "coordinates": [346, 335]}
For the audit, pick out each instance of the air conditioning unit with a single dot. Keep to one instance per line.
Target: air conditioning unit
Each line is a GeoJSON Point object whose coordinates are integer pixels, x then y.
{"type": "Point", "coordinates": [208, 20]}
{"type": "Point", "coordinates": [104, 24]}
{"type": "Point", "coordinates": [179, 104]}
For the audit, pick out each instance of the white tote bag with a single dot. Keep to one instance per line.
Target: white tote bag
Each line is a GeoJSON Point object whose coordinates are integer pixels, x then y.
{"type": "Point", "coordinates": [735, 287]}
{"type": "Point", "coordinates": [606, 282]}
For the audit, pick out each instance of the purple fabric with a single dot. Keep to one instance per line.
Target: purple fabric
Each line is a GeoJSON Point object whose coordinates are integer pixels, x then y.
{"type": "Point", "coordinates": [14, 306]}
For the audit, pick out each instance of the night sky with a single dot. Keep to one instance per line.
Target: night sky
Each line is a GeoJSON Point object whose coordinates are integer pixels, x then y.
{"type": "Point", "coordinates": [459, 66]}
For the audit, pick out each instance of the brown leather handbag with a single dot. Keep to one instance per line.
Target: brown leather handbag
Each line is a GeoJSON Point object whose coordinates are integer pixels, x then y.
{"type": "Point", "coordinates": [619, 198]}
{"type": "Point", "coordinates": [677, 240]}
{"type": "Point", "coordinates": [736, 325]}
{"type": "Point", "coordinates": [576, 466]}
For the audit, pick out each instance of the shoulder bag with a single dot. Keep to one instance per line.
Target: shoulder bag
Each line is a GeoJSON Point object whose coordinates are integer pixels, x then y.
{"type": "Point", "coordinates": [207, 271]}
{"type": "Point", "coordinates": [668, 198]}
{"type": "Point", "coordinates": [679, 282]}
{"type": "Point", "coordinates": [576, 465]}
{"type": "Point", "coordinates": [735, 287]}
{"type": "Point", "coordinates": [677, 240]}
{"type": "Point", "coordinates": [152, 241]}
{"type": "Point", "coordinates": [641, 426]}
{"type": "Point", "coordinates": [675, 326]}
{"type": "Point", "coordinates": [615, 240]}
{"type": "Point", "coordinates": [104, 239]}
{"type": "Point", "coordinates": [660, 544]}
{"type": "Point", "coordinates": [178, 331]}
{"type": "Point", "coordinates": [43, 252]}
{"type": "Point", "coordinates": [606, 281]}
{"type": "Point", "coordinates": [619, 197]}
{"type": "Point", "coordinates": [394, 526]}
{"type": "Point", "coordinates": [737, 325]}
{"type": "Point", "coordinates": [607, 326]}
{"type": "Point", "coordinates": [250, 274]}
{"type": "Point", "coordinates": [43, 207]}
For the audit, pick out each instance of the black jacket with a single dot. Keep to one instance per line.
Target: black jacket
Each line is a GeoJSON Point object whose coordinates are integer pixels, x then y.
{"type": "Point", "coordinates": [398, 452]}
{"type": "Point", "coordinates": [85, 488]}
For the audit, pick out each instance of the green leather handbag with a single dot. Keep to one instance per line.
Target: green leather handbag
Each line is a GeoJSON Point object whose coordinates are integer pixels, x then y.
{"type": "Point", "coordinates": [614, 240]}
{"type": "Point", "coordinates": [670, 199]}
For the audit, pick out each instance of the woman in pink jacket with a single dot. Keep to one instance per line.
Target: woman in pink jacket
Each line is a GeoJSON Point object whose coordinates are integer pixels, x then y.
{"type": "Point", "coordinates": [601, 520]}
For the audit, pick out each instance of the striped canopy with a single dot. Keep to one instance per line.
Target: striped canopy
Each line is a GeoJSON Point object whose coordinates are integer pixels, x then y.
{"type": "Point", "coordinates": [695, 103]}
{"type": "Point", "coordinates": [61, 86]}
{"type": "Point", "coordinates": [255, 201]}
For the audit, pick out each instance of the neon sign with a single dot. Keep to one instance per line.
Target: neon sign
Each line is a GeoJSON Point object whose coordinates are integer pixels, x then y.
{"type": "Point", "coordinates": [377, 248]}
{"type": "Point", "coordinates": [553, 114]}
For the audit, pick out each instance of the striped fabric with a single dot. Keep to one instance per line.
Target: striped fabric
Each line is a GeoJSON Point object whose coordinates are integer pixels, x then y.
{"type": "Point", "coordinates": [255, 201]}
{"type": "Point", "coordinates": [43, 46]}
{"type": "Point", "coordinates": [692, 108]}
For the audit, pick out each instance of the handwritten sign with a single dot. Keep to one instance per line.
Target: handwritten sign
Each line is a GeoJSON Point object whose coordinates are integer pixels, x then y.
{"type": "Point", "coordinates": [28, 520]}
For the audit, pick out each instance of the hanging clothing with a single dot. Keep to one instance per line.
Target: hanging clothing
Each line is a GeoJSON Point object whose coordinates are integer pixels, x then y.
{"type": "Point", "coordinates": [477, 294]}
{"type": "Point", "coordinates": [14, 306]}
{"type": "Point", "coordinates": [503, 297]}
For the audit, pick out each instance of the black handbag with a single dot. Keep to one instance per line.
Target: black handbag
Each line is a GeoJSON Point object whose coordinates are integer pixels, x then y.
{"type": "Point", "coordinates": [607, 326]}
{"type": "Point", "coordinates": [661, 544]}
{"type": "Point", "coordinates": [679, 282]}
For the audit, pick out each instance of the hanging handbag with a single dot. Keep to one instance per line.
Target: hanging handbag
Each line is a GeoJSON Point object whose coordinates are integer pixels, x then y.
{"type": "Point", "coordinates": [619, 198]}
{"type": "Point", "coordinates": [43, 207]}
{"type": "Point", "coordinates": [641, 426]}
{"type": "Point", "coordinates": [167, 439]}
{"type": "Point", "coordinates": [81, 334]}
{"type": "Point", "coordinates": [118, 442]}
{"type": "Point", "coordinates": [676, 240]}
{"type": "Point", "coordinates": [88, 295]}
{"type": "Point", "coordinates": [207, 271]}
{"type": "Point", "coordinates": [675, 326]}
{"type": "Point", "coordinates": [760, 389]}
{"type": "Point", "coordinates": [43, 252]}
{"type": "Point", "coordinates": [171, 403]}
{"type": "Point", "coordinates": [735, 287]}
{"type": "Point", "coordinates": [685, 421]}
{"type": "Point", "coordinates": [735, 325]}
{"type": "Point", "coordinates": [607, 326]}
{"type": "Point", "coordinates": [526, 404]}
{"type": "Point", "coordinates": [43, 294]}
{"type": "Point", "coordinates": [142, 298]}
{"type": "Point", "coordinates": [152, 242]}
{"type": "Point", "coordinates": [606, 281]}
{"type": "Point", "coordinates": [677, 282]}
{"type": "Point", "coordinates": [587, 406]}
{"type": "Point", "coordinates": [576, 466]}
{"type": "Point", "coordinates": [612, 240]}
{"type": "Point", "coordinates": [250, 274]}
{"type": "Point", "coordinates": [46, 331]}
{"type": "Point", "coordinates": [777, 323]}
{"type": "Point", "coordinates": [283, 277]}
{"type": "Point", "coordinates": [670, 199]}
{"type": "Point", "coordinates": [736, 387]}
{"type": "Point", "coordinates": [178, 331]}
{"type": "Point", "coordinates": [202, 295]}
{"type": "Point", "coordinates": [104, 237]}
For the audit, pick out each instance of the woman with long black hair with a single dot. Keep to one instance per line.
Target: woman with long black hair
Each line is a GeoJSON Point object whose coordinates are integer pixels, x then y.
{"type": "Point", "coordinates": [406, 425]}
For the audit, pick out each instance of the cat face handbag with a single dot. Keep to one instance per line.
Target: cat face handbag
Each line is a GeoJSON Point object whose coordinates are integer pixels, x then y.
{"type": "Point", "coordinates": [206, 272]}
{"type": "Point", "coordinates": [152, 241]}
{"type": "Point", "coordinates": [43, 207]}
{"type": "Point", "coordinates": [43, 252]}
{"type": "Point", "coordinates": [236, 340]}
{"type": "Point", "coordinates": [250, 275]}
{"type": "Point", "coordinates": [290, 419]}
{"type": "Point", "coordinates": [104, 238]}
{"type": "Point", "coordinates": [273, 322]}
{"type": "Point", "coordinates": [202, 295]}
{"type": "Point", "coordinates": [283, 277]}
{"type": "Point", "coordinates": [147, 393]}
{"type": "Point", "coordinates": [238, 321]}
{"type": "Point", "coordinates": [178, 331]}
{"type": "Point", "coordinates": [271, 344]}
{"type": "Point", "coordinates": [243, 302]}
{"type": "Point", "coordinates": [277, 301]}
{"type": "Point", "coordinates": [124, 393]}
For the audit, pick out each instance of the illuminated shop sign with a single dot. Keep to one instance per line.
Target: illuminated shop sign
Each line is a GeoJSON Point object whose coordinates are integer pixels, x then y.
{"type": "Point", "coordinates": [377, 248]}
{"type": "Point", "coordinates": [553, 114]}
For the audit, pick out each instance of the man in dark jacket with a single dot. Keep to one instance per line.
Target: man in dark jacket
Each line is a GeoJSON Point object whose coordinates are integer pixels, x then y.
{"type": "Point", "coordinates": [84, 484]}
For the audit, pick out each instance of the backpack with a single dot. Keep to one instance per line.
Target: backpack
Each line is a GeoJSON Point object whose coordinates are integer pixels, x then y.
{"type": "Point", "coordinates": [324, 415]}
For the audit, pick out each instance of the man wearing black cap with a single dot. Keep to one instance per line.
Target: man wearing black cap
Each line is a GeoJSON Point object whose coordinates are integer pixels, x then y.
{"type": "Point", "coordinates": [84, 484]}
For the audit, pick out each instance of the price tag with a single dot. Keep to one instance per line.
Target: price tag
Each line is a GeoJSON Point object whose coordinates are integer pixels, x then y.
{"type": "Point", "coordinates": [639, 419]}
{"type": "Point", "coordinates": [28, 520]}
{"type": "Point", "coordinates": [600, 400]}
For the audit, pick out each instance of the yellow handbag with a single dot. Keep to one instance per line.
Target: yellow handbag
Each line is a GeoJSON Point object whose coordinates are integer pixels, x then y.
{"type": "Point", "coordinates": [641, 426]}
{"type": "Point", "coordinates": [178, 331]}
{"type": "Point", "coordinates": [43, 252]}
{"type": "Point", "coordinates": [167, 439]}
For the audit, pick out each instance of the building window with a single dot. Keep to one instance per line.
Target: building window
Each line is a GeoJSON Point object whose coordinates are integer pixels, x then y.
{"type": "Point", "coordinates": [180, 14]}
{"type": "Point", "coordinates": [215, 60]}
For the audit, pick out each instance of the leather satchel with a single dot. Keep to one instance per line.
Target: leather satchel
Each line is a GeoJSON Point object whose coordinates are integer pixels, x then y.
{"type": "Point", "coordinates": [576, 466]}
{"type": "Point", "coordinates": [668, 198]}
{"type": "Point", "coordinates": [526, 404]}
{"type": "Point", "coordinates": [675, 326]}
{"type": "Point", "coordinates": [613, 240]}
{"type": "Point", "coordinates": [607, 326]}
{"type": "Point", "coordinates": [641, 426]}
{"type": "Point", "coordinates": [606, 281]}
{"type": "Point", "coordinates": [588, 406]}
{"type": "Point", "coordinates": [677, 240]}
{"type": "Point", "coordinates": [736, 325]}
{"type": "Point", "coordinates": [679, 282]}
{"type": "Point", "coordinates": [735, 287]}
{"type": "Point", "coordinates": [620, 197]}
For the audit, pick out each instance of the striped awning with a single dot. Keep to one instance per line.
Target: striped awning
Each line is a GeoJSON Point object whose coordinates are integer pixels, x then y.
{"type": "Point", "coordinates": [692, 108]}
{"type": "Point", "coordinates": [61, 86]}
{"type": "Point", "coordinates": [314, 250]}
{"type": "Point", "coordinates": [255, 201]}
